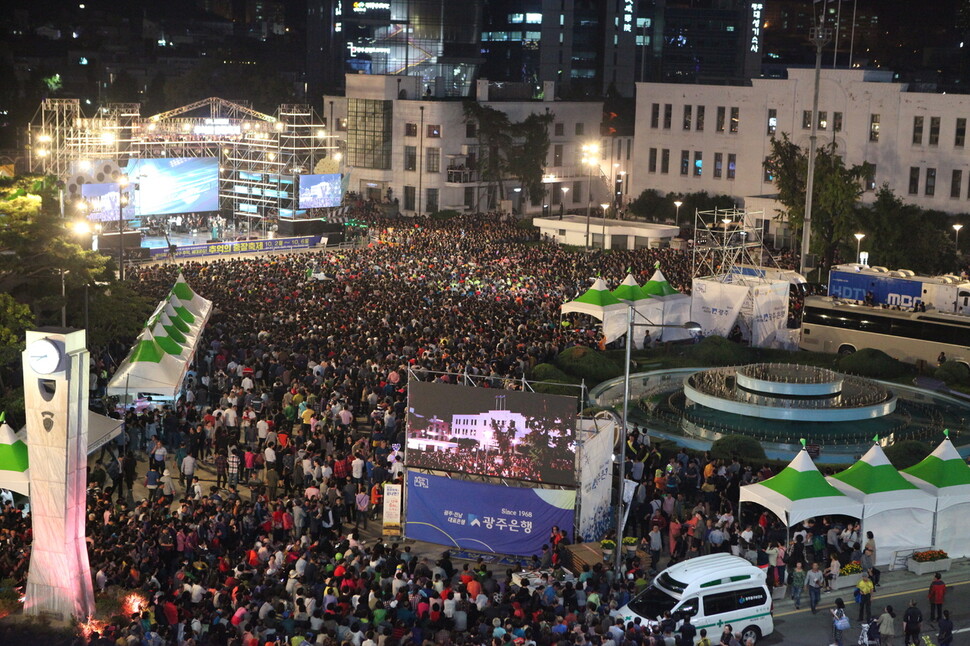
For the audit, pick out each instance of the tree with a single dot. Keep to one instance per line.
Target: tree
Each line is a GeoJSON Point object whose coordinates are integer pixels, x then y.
{"type": "Point", "coordinates": [836, 193]}
{"type": "Point", "coordinates": [656, 208]}
{"type": "Point", "coordinates": [38, 247]}
{"type": "Point", "coordinates": [510, 151]}
{"type": "Point", "coordinates": [904, 236]}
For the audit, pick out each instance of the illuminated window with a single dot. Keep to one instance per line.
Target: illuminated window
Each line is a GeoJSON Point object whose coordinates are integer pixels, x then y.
{"type": "Point", "coordinates": [516, 18]}
{"type": "Point", "coordinates": [533, 18]}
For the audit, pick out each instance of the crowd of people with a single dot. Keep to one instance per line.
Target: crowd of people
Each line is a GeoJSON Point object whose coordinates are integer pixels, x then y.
{"type": "Point", "coordinates": [259, 481]}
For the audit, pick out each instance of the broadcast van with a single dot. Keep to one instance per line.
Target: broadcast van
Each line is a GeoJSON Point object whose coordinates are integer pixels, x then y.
{"type": "Point", "coordinates": [714, 591]}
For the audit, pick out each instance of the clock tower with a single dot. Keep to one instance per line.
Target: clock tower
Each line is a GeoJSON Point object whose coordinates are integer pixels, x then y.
{"type": "Point", "coordinates": [56, 377]}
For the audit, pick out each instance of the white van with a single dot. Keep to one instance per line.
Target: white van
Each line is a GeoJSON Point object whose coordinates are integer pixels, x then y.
{"type": "Point", "coordinates": [714, 591]}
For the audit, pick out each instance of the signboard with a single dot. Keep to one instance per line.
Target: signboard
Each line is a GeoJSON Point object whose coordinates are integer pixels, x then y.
{"type": "Point", "coordinates": [596, 484]}
{"type": "Point", "coordinates": [756, 9]}
{"type": "Point", "coordinates": [493, 432]}
{"type": "Point", "coordinates": [232, 248]}
{"type": "Point", "coordinates": [485, 517]}
{"type": "Point", "coordinates": [392, 509]}
{"type": "Point", "coordinates": [716, 305]}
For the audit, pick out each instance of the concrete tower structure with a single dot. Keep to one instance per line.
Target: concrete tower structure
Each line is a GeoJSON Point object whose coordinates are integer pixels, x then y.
{"type": "Point", "coordinates": [56, 374]}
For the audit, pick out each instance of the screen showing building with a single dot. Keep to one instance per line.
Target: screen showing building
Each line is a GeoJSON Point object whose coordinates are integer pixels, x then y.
{"type": "Point", "coordinates": [320, 191]}
{"type": "Point", "coordinates": [484, 431]}
{"type": "Point", "coordinates": [101, 202]}
{"type": "Point", "coordinates": [176, 185]}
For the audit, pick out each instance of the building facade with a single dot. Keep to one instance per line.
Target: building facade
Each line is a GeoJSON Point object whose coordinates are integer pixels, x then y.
{"type": "Point", "coordinates": [435, 40]}
{"type": "Point", "coordinates": [713, 138]}
{"type": "Point", "coordinates": [585, 46]}
{"type": "Point", "coordinates": [423, 153]}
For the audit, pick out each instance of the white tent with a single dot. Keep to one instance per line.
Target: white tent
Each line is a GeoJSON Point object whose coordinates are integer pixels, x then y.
{"type": "Point", "coordinates": [646, 309]}
{"type": "Point", "coordinates": [164, 350]}
{"type": "Point", "coordinates": [666, 307]}
{"type": "Point", "coordinates": [896, 511]}
{"type": "Point", "coordinates": [800, 492]}
{"type": "Point", "coordinates": [599, 303]}
{"type": "Point", "coordinates": [944, 474]}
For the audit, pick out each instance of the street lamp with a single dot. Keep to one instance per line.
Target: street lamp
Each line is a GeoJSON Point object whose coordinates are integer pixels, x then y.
{"type": "Point", "coordinates": [690, 326]}
{"type": "Point", "coordinates": [590, 156]}
{"type": "Point", "coordinates": [956, 228]}
{"type": "Point", "coordinates": [858, 246]}
{"type": "Point", "coordinates": [677, 204]}
{"type": "Point", "coordinates": [122, 183]}
{"type": "Point", "coordinates": [562, 204]}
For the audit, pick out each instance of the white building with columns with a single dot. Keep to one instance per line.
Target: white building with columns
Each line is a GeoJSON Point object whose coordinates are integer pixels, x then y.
{"type": "Point", "coordinates": [391, 137]}
{"type": "Point", "coordinates": [716, 138]}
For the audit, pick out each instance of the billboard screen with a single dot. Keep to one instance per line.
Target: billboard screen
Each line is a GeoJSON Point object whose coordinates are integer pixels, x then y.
{"type": "Point", "coordinates": [101, 202]}
{"type": "Point", "coordinates": [320, 191]}
{"type": "Point", "coordinates": [486, 431]}
{"type": "Point", "coordinates": [479, 516]}
{"type": "Point", "coordinates": [171, 186]}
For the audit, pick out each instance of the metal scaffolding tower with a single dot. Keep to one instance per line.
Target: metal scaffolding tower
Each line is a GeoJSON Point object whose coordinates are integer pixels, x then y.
{"type": "Point", "coordinates": [260, 156]}
{"type": "Point", "coordinates": [726, 238]}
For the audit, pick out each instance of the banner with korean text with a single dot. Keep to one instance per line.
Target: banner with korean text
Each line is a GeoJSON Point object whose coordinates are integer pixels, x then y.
{"type": "Point", "coordinates": [485, 517]}
{"type": "Point", "coordinates": [596, 515]}
{"type": "Point", "coordinates": [716, 305]}
{"type": "Point", "coordinates": [392, 509]}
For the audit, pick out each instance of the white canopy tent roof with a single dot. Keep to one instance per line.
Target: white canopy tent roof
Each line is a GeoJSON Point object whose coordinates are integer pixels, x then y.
{"type": "Point", "coordinates": [800, 492]}
{"type": "Point", "coordinates": [599, 303]}
{"type": "Point", "coordinates": [897, 512]}
{"type": "Point", "coordinates": [164, 350]}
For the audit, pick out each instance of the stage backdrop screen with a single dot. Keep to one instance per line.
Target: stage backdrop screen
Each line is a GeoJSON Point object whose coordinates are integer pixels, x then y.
{"type": "Point", "coordinates": [486, 431]}
{"type": "Point", "coordinates": [485, 517]}
{"type": "Point", "coordinates": [101, 201]}
{"type": "Point", "coordinates": [176, 185]}
{"type": "Point", "coordinates": [320, 191]}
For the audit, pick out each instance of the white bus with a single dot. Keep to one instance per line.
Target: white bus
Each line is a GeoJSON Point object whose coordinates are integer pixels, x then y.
{"type": "Point", "coordinates": [833, 326]}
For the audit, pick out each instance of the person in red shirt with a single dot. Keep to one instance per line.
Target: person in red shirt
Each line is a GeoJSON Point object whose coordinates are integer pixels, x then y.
{"type": "Point", "coordinates": [936, 595]}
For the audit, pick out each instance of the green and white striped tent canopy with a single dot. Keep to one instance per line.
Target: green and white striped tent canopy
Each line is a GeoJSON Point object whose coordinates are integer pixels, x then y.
{"type": "Point", "coordinates": [658, 285]}
{"type": "Point", "coordinates": [946, 475]}
{"type": "Point", "coordinates": [158, 361]}
{"type": "Point", "coordinates": [14, 471]}
{"type": "Point", "coordinates": [600, 303]}
{"type": "Point", "coordinates": [896, 511]}
{"type": "Point", "coordinates": [800, 491]}
{"type": "Point", "coordinates": [942, 473]}
{"type": "Point", "coordinates": [630, 291]}
{"type": "Point", "coordinates": [875, 482]}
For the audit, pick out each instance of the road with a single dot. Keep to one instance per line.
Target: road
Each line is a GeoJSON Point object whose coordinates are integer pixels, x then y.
{"type": "Point", "coordinates": [801, 628]}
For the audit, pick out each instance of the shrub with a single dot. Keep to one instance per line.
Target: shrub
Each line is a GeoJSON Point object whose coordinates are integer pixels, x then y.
{"type": "Point", "coordinates": [874, 364]}
{"type": "Point", "coordinates": [549, 372]}
{"type": "Point", "coordinates": [953, 373]}
{"type": "Point", "coordinates": [929, 556]}
{"type": "Point", "coordinates": [907, 453]}
{"type": "Point", "coordinates": [718, 351]}
{"type": "Point", "coordinates": [741, 447]}
{"type": "Point", "coordinates": [587, 363]}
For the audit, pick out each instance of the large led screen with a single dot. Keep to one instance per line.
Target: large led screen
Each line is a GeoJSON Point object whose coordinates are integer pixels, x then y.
{"type": "Point", "coordinates": [101, 202]}
{"type": "Point", "coordinates": [178, 185]}
{"type": "Point", "coordinates": [485, 431]}
{"type": "Point", "coordinates": [320, 191]}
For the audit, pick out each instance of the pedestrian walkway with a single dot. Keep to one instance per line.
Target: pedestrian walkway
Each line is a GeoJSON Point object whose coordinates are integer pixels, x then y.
{"type": "Point", "coordinates": [894, 589]}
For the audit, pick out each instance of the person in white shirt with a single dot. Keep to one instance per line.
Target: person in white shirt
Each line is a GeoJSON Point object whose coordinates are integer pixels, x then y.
{"type": "Point", "coordinates": [357, 468]}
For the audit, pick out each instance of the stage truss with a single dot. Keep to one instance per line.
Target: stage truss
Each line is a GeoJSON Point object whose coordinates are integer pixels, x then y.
{"type": "Point", "coordinates": [725, 239]}
{"type": "Point", "coordinates": [260, 155]}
